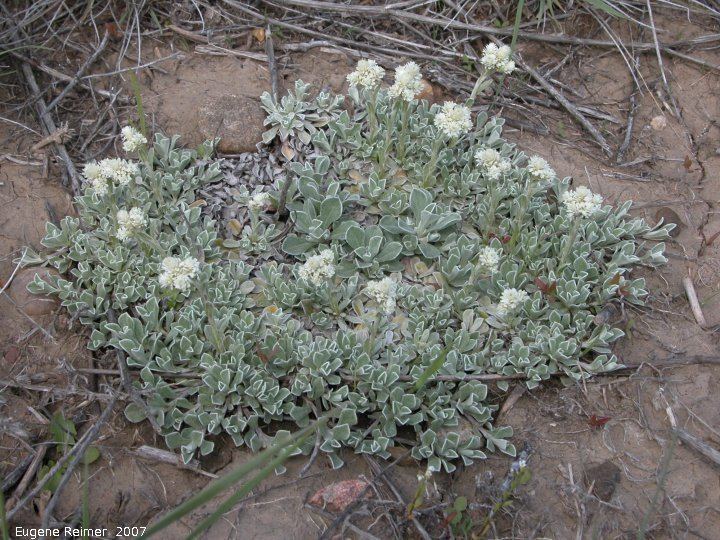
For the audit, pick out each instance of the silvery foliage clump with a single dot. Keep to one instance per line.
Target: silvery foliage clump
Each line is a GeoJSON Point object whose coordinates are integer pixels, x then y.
{"type": "Point", "coordinates": [422, 253]}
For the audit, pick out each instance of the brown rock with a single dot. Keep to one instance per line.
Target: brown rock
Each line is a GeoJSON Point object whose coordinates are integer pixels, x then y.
{"type": "Point", "coordinates": [338, 496]}
{"type": "Point", "coordinates": [323, 70]}
{"type": "Point", "coordinates": [32, 304]}
{"type": "Point", "coordinates": [237, 120]}
{"type": "Point", "coordinates": [428, 92]}
{"type": "Point", "coordinates": [604, 478]}
{"type": "Point", "coordinates": [220, 456]}
{"type": "Point", "coordinates": [200, 97]}
{"type": "Point", "coordinates": [668, 215]}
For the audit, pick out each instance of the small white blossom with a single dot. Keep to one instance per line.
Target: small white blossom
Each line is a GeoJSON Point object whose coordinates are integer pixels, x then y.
{"type": "Point", "coordinates": [367, 74]}
{"type": "Point", "coordinates": [498, 59]}
{"type": "Point", "coordinates": [259, 202]}
{"type": "Point", "coordinates": [129, 223]}
{"type": "Point", "coordinates": [383, 292]}
{"type": "Point", "coordinates": [453, 119]}
{"type": "Point", "coordinates": [178, 273]}
{"type": "Point", "coordinates": [489, 259]}
{"type": "Point", "coordinates": [132, 139]}
{"type": "Point", "coordinates": [318, 267]}
{"type": "Point", "coordinates": [92, 171]}
{"type": "Point", "coordinates": [408, 82]}
{"type": "Point", "coordinates": [511, 299]}
{"type": "Point", "coordinates": [581, 202]}
{"type": "Point", "coordinates": [97, 182]}
{"type": "Point", "coordinates": [120, 171]}
{"type": "Point", "coordinates": [492, 163]}
{"type": "Point", "coordinates": [539, 169]}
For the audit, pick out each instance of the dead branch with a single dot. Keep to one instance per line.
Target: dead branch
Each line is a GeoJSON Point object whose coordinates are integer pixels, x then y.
{"type": "Point", "coordinates": [49, 125]}
{"type": "Point", "coordinates": [78, 452]}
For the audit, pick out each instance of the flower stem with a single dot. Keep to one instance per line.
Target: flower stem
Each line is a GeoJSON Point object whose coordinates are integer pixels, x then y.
{"type": "Point", "coordinates": [433, 161]}
{"type": "Point", "coordinates": [569, 241]}
{"type": "Point", "coordinates": [480, 84]}
{"type": "Point", "coordinates": [372, 114]}
{"type": "Point", "coordinates": [389, 129]}
{"type": "Point", "coordinates": [402, 139]}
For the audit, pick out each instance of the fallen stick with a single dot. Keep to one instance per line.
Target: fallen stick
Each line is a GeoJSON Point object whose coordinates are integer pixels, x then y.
{"type": "Point", "coordinates": [28, 476]}
{"type": "Point", "coordinates": [54, 138]}
{"type": "Point", "coordinates": [391, 10]}
{"type": "Point", "coordinates": [76, 451]}
{"type": "Point", "coordinates": [699, 446]}
{"type": "Point", "coordinates": [49, 125]}
{"type": "Point", "coordinates": [127, 383]}
{"type": "Point", "coordinates": [164, 456]}
{"type": "Point", "coordinates": [272, 65]}
{"type": "Point", "coordinates": [79, 74]}
{"type": "Point", "coordinates": [694, 303]}
{"type": "Point", "coordinates": [513, 398]}
{"type": "Point", "coordinates": [375, 468]}
{"type": "Point", "coordinates": [14, 476]}
{"type": "Point", "coordinates": [572, 109]}
{"type": "Point", "coordinates": [216, 50]}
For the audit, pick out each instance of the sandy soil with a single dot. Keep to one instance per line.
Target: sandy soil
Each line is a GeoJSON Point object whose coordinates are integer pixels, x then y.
{"type": "Point", "coordinates": [588, 480]}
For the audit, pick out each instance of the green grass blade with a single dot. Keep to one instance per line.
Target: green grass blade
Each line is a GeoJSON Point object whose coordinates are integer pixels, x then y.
{"type": "Point", "coordinates": [242, 492]}
{"type": "Point", "coordinates": [516, 26]}
{"type": "Point", "coordinates": [230, 479]}
{"type": "Point", "coordinates": [432, 369]}
{"type": "Point", "coordinates": [85, 500]}
{"type": "Point", "coordinates": [602, 5]}
{"type": "Point", "coordinates": [138, 103]}
{"type": "Point", "coordinates": [3, 518]}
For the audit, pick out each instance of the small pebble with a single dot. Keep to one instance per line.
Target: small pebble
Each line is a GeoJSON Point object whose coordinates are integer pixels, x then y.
{"type": "Point", "coordinates": [668, 215]}
{"type": "Point", "coordinates": [658, 122]}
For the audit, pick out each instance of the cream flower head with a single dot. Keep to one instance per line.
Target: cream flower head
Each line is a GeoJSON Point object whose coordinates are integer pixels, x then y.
{"type": "Point", "coordinates": [97, 183]}
{"type": "Point", "coordinates": [492, 163]}
{"type": "Point", "coordinates": [408, 82]}
{"type": "Point", "coordinates": [383, 292]}
{"type": "Point", "coordinates": [581, 202]}
{"type": "Point", "coordinates": [498, 59]}
{"type": "Point", "coordinates": [129, 223]}
{"type": "Point", "coordinates": [259, 202]}
{"type": "Point", "coordinates": [539, 169]}
{"type": "Point", "coordinates": [178, 273]}
{"type": "Point", "coordinates": [120, 171]}
{"type": "Point", "coordinates": [453, 119]}
{"type": "Point", "coordinates": [318, 268]}
{"type": "Point", "coordinates": [132, 139]}
{"type": "Point", "coordinates": [367, 74]}
{"type": "Point", "coordinates": [489, 259]}
{"type": "Point", "coordinates": [510, 300]}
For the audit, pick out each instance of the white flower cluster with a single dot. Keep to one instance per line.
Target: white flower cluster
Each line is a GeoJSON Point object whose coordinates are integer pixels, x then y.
{"type": "Point", "coordinates": [581, 202]}
{"type": "Point", "coordinates": [510, 300]}
{"type": "Point", "coordinates": [129, 223]}
{"type": "Point", "coordinates": [132, 139]}
{"type": "Point", "coordinates": [367, 74]}
{"type": "Point", "coordinates": [408, 82]}
{"type": "Point", "coordinates": [498, 59]}
{"type": "Point", "coordinates": [539, 169]}
{"type": "Point", "coordinates": [259, 202]}
{"type": "Point", "coordinates": [178, 273]}
{"type": "Point", "coordinates": [318, 267]}
{"type": "Point", "coordinates": [489, 259]}
{"type": "Point", "coordinates": [492, 163]}
{"type": "Point", "coordinates": [453, 119]}
{"type": "Point", "coordinates": [383, 292]}
{"type": "Point", "coordinates": [113, 170]}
